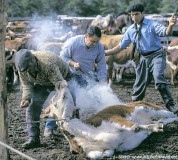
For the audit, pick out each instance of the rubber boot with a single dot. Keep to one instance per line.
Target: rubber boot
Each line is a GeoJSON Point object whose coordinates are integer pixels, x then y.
{"type": "Point", "coordinates": [167, 98]}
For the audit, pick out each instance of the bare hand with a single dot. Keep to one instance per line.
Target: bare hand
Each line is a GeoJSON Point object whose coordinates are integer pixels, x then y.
{"type": "Point", "coordinates": [62, 84]}
{"type": "Point", "coordinates": [24, 103]}
{"type": "Point", "coordinates": [76, 66]}
{"type": "Point", "coordinates": [172, 20]}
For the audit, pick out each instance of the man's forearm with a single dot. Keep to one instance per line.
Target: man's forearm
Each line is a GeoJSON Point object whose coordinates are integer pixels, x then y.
{"type": "Point", "coordinates": [113, 51]}
{"type": "Point", "coordinates": [72, 63]}
{"type": "Point", "coordinates": [168, 30]}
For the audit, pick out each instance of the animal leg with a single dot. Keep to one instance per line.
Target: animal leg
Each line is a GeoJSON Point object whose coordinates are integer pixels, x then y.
{"type": "Point", "coordinates": [151, 127]}
{"type": "Point", "coordinates": [119, 75]}
{"type": "Point", "coordinates": [74, 147]}
{"type": "Point", "coordinates": [172, 76]}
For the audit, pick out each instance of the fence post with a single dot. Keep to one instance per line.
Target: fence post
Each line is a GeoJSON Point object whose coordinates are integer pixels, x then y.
{"type": "Point", "coordinates": [3, 108]}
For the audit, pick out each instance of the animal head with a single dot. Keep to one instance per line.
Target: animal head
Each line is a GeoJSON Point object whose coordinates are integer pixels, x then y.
{"type": "Point", "coordinates": [61, 105]}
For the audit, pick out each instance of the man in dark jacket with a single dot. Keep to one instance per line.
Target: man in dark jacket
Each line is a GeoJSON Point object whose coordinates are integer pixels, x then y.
{"type": "Point", "coordinates": [40, 73]}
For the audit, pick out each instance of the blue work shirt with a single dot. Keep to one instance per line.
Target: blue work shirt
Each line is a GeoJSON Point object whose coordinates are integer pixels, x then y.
{"type": "Point", "coordinates": [75, 50]}
{"type": "Point", "coordinates": [150, 36]}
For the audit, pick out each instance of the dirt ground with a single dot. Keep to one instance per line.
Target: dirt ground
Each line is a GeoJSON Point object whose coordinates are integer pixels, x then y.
{"type": "Point", "coordinates": [156, 146]}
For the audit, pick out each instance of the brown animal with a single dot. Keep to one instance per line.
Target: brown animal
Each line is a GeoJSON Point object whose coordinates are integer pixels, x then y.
{"type": "Point", "coordinates": [11, 72]}
{"type": "Point", "coordinates": [11, 46]}
{"type": "Point", "coordinates": [122, 22]}
{"type": "Point", "coordinates": [16, 44]}
{"type": "Point", "coordinates": [18, 26]}
{"type": "Point", "coordinates": [119, 62]}
{"type": "Point", "coordinates": [172, 61]}
{"type": "Point", "coordinates": [105, 23]}
{"type": "Point", "coordinates": [110, 41]}
{"type": "Point", "coordinates": [174, 42]}
{"type": "Point", "coordinates": [118, 127]}
{"type": "Point", "coordinates": [10, 33]}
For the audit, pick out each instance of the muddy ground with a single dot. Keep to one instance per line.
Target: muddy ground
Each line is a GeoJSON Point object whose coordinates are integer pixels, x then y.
{"type": "Point", "coordinates": [156, 146]}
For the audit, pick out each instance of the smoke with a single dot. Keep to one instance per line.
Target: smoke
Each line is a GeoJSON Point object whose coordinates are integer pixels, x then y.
{"type": "Point", "coordinates": [46, 29]}
{"type": "Point", "coordinates": [94, 98]}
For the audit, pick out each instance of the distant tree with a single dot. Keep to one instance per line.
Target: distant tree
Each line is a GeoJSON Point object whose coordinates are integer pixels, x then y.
{"type": "Point", "coordinates": [84, 8]}
{"type": "Point", "coordinates": [168, 6]}
{"type": "Point", "coordinates": [25, 8]}
{"type": "Point", "coordinates": [114, 6]}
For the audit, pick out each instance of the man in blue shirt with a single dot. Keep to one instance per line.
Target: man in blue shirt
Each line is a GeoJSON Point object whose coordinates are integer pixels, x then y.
{"type": "Point", "coordinates": [85, 56]}
{"type": "Point", "coordinates": [146, 34]}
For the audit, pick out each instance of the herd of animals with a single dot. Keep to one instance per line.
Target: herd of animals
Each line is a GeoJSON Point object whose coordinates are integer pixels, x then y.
{"type": "Point", "coordinates": [125, 120]}
{"type": "Point", "coordinates": [112, 33]}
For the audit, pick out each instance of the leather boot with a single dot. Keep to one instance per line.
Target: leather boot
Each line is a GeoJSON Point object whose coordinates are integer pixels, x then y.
{"type": "Point", "coordinates": [167, 98]}
{"type": "Point", "coordinates": [31, 143]}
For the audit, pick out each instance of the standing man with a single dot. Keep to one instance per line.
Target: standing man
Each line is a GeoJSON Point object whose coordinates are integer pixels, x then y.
{"type": "Point", "coordinates": [146, 34]}
{"type": "Point", "coordinates": [86, 57]}
{"type": "Point", "coordinates": [40, 73]}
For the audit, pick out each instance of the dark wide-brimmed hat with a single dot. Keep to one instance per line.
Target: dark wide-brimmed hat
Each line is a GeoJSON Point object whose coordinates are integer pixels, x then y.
{"type": "Point", "coordinates": [22, 59]}
{"type": "Point", "coordinates": [136, 7]}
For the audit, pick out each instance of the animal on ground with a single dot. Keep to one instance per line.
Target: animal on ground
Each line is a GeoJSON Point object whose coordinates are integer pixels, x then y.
{"type": "Point", "coordinates": [119, 127]}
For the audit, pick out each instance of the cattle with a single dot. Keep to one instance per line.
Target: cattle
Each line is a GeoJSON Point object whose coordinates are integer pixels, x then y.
{"type": "Point", "coordinates": [116, 64]}
{"type": "Point", "coordinates": [122, 22]}
{"type": "Point", "coordinates": [110, 41]}
{"type": "Point", "coordinates": [112, 24]}
{"type": "Point", "coordinates": [174, 42]}
{"type": "Point", "coordinates": [119, 127]}
{"type": "Point", "coordinates": [11, 47]}
{"type": "Point", "coordinates": [16, 44]}
{"type": "Point", "coordinates": [18, 26]}
{"type": "Point", "coordinates": [10, 33]}
{"type": "Point", "coordinates": [105, 23]}
{"type": "Point", "coordinates": [172, 61]}
{"type": "Point", "coordinates": [11, 71]}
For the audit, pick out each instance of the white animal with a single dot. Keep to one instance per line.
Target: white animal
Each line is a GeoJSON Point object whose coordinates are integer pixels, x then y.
{"type": "Point", "coordinates": [118, 127]}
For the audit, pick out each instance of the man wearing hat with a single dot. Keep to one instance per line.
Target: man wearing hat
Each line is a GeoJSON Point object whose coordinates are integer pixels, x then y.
{"type": "Point", "coordinates": [145, 34]}
{"type": "Point", "coordinates": [40, 73]}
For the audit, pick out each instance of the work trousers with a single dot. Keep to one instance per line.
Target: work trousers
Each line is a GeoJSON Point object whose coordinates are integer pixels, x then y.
{"type": "Point", "coordinates": [33, 111]}
{"type": "Point", "coordinates": [149, 67]}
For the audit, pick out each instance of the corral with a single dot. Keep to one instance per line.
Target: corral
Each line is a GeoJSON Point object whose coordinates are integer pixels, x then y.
{"type": "Point", "coordinates": [158, 145]}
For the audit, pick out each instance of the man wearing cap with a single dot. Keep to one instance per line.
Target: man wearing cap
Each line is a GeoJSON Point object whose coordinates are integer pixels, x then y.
{"type": "Point", "coordinates": [40, 73]}
{"type": "Point", "coordinates": [145, 34]}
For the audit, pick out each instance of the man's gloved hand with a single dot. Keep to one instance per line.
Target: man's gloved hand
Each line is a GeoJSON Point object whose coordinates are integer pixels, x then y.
{"type": "Point", "coordinates": [24, 103]}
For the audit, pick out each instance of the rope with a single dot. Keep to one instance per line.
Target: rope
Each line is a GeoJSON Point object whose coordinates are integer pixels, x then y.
{"type": "Point", "coordinates": [16, 151]}
{"type": "Point", "coordinates": [36, 122]}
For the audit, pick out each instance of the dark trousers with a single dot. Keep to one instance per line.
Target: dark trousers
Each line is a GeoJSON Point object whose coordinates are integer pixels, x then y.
{"type": "Point", "coordinates": [149, 67]}
{"type": "Point", "coordinates": [39, 95]}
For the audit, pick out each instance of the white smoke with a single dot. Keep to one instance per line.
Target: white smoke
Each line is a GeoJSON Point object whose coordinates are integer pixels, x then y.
{"type": "Point", "coordinates": [94, 98]}
{"type": "Point", "coordinates": [46, 29]}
